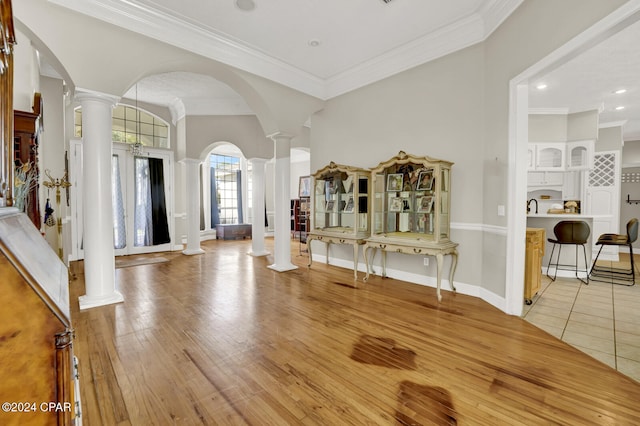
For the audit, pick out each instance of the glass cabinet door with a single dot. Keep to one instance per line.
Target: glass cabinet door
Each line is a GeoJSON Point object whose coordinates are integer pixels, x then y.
{"type": "Point", "coordinates": [341, 202]}
{"type": "Point", "coordinates": [445, 204]}
{"type": "Point", "coordinates": [411, 199]}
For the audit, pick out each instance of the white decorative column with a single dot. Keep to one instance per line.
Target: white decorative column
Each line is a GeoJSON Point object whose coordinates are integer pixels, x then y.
{"type": "Point", "coordinates": [99, 262]}
{"type": "Point", "coordinates": [282, 226]}
{"type": "Point", "coordinates": [257, 201]}
{"type": "Point", "coordinates": [193, 205]}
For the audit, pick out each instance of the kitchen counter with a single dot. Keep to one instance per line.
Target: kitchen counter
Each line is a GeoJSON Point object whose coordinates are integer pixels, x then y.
{"type": "Point", "coordinates": [563, 216]}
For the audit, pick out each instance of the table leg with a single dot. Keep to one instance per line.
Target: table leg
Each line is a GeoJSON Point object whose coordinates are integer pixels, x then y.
{"type": "Point", "coordinates": [454, 263]}
{"type": "Point", "coordinates": [384, 264]}
{"type": "Point", "coordinates": [366, 261]}
{"type": "Point", "coordinates": [328, 244]}
{"type": "Point", "coordinates": [355, 261]}
{"type": "Point", "coordinates": [309, 250]}
{"type": "Point", "coordinates": [439, 261]}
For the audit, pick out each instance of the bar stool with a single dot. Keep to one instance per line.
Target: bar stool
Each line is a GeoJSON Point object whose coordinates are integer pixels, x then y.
{"type": "Point", "coordinates": [569, 232]}
{"type": "Point", "coordinates": [627, 276]}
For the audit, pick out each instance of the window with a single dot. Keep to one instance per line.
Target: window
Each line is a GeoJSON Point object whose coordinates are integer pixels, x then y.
{"type": "Point", "coordinates": [226, 188]}
{"type": "Point", "coordinates": [128, 123]}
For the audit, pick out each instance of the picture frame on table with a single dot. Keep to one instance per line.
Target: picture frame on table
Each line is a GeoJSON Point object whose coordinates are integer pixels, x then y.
{"type": "Point", "coordinates": [395, 204]}
{"type": "Point", "coordinates": [425, 181]}
{"type": "Point", "coordinates": [424, 204]}
{"type": "Point", "coordinates": [350, 206]}
{"type": "Point", "coordinates": [394, 182]}
{"type": "Point", "coordinates": [304, 186]}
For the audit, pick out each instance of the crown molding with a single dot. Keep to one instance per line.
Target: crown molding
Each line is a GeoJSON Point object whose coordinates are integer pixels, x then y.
{"type": "Point", "coordinates": [178, 32]}
{"type": "Point", "coordinates": [548, 111]}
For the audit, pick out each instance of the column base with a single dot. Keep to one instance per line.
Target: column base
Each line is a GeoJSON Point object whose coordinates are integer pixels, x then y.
{"type": "Point", "coordinates": [283, 268]}
{"type": "Point", "coordinates": [258, 253]}
{"type": "Point", "coordinates": [87, 302]}
{"type": "Point", "coordinates": [191, 252]}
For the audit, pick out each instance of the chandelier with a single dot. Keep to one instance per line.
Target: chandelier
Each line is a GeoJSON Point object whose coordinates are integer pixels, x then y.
{"type": "Point", "coordinates": [136, 148]}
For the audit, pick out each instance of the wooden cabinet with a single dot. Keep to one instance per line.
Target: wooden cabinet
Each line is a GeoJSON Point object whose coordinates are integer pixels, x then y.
{"type": "Point", "coordinates": [533, 262]}
{"type": "Point", "coordinates": [36, 338]}
{"type": "Point", "coordinates": [340, 208]}
{"type": "Point", "coordinates": [25, 152]}
{"type": "Point", "coordinates": [411, 203]}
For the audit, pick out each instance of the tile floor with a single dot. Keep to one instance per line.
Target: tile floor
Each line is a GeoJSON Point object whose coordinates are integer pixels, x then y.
{"type": "Point", "coordinates": [600, 319]}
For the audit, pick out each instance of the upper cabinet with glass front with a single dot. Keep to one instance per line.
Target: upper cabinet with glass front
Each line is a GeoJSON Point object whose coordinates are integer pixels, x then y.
{"type": "Point", "coordinates": [340, 201]}
{"type": "Point", "coordinates": [550, 156]}
{"type": "Point", "coordinates": [411, 199]}
{"type": "Point", "coordinates": [580, 155]}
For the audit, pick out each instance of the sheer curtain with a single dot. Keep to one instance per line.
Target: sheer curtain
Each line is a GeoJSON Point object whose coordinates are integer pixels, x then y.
{"type": "Point", "coordinates": [143, 229]}
{"type": "Point", "coordinates": [119, 226]}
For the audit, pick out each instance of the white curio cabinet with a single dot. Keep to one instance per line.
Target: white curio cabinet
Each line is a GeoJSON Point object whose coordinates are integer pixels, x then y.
{"type": "Point", "coordinates": [340, 208]}
{"type": "Point", "coordinates": [411, 210]}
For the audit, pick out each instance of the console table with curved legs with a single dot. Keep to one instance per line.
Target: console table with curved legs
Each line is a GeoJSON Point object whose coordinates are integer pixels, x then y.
{"type": "Point", "coordinates": [329, 239]}
{"type": "Point", "coordinates": [414, 248]}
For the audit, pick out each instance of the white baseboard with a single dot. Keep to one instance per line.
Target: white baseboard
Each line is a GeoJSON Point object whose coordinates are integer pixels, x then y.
{"type": "Point", "coordinates": [429, 281]}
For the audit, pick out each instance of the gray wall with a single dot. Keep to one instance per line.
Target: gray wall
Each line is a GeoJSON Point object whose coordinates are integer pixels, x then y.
{"type": "Point", "coordinates": [455, 108]}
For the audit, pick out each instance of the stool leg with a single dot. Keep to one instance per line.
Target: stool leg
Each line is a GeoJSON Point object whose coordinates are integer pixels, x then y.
{"type": "Point", "coordinates": [555, 274]}
{"type": "Point", "coordinates": [593, 265]}
{"type": "Point", "coordinates": [633, 266]}
{"type": "Point", "coordinates": [549, 265]}
{"type": "Point", "coordinates": [586, 265]}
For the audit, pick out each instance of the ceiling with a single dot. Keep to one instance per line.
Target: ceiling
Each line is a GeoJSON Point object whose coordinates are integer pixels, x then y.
{"type": "Point", "coordinates": [589, 81]}
{"type": "Point", "coordinates": [320, 47]}
{"type": "Point", "coordinates": [358, 42]}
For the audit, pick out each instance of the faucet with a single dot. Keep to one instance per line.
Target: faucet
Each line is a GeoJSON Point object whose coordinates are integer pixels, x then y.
{"type": "Point", "coordinates": [529, 205]}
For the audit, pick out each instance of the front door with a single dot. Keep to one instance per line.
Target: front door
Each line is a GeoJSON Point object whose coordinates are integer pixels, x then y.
{"type": "Point", "coordinates": [141, 194]}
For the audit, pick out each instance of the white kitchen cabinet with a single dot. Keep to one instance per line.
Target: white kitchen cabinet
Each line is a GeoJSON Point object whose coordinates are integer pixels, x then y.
{"type": "Point", "coordinates": [545, 179]}
{"type": "Point", "coordinates": [580, 155]}
{"type": "Point", "coordinates": [531, 156]}
{"type": "Point", "coordinates": [550, 156]}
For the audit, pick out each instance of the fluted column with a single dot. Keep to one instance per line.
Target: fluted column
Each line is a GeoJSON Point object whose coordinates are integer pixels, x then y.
{"type": "Point", "coordinates": [99, 262]}
{"type": "Point", "coordinates": [192, 190]}
{"type": "Point", "coordinates": [257, 201]}
{"type": "Point", "coordinates": [282, 226]}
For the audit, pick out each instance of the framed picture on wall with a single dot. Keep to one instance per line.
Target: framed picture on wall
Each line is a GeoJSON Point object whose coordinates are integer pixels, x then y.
{"type": "Point", "coordinates": [304, 186]}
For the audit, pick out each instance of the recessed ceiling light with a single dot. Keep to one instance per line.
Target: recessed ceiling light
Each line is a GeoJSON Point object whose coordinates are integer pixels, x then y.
{"type": "Point", "coordinates": [620, 91]}
{"type": "Point", "coordinates": [245, 5]}
{"type": "Point", "coordinates": [314, 42]}
{"type": "Point", "coordinates": [618, 108]}
{"type": "Point", "coordinates": [541, 86]}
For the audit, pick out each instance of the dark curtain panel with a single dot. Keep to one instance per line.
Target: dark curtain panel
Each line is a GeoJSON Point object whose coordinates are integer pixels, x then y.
{"type": "Point", "coordinates": [158, 203]}
{"type": "Point", "coordinates": [239, 189]}
{"type": "Point", "coordinates": [215, 215]}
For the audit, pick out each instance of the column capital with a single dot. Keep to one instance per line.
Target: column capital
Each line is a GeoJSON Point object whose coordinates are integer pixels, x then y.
{"type": "Point", "coordinates": [190, 161]}
{"type": "Point", "coordinates": [259, 160]}
{"type": "Point", "coordinates": [91, 95]}
{"type": "Point", "coordinates": [280, 136]}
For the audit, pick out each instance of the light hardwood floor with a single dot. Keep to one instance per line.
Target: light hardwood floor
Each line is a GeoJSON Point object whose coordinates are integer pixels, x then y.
{"type": "Point", "coordinates": [219, 338]}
